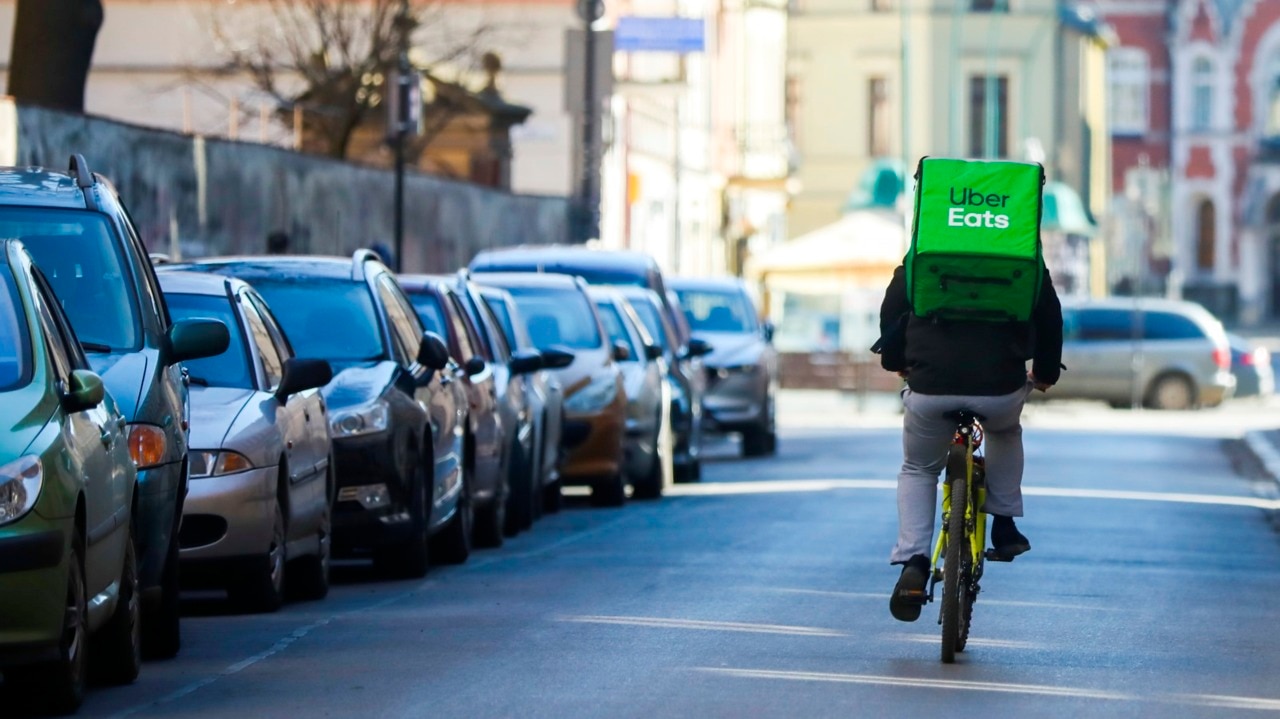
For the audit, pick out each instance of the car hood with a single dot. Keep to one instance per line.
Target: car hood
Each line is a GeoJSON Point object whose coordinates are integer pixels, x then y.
{"type": "Point", "coordinates": [124, 375]}
{"type": "Point", "coordinates": [25, 413]}
{"type": "Point", "coordinates": [213, 411]}
{"type": "Point", "coordinates": [730, 349]}
{"type": "Point", "coordinates": [358, 384]}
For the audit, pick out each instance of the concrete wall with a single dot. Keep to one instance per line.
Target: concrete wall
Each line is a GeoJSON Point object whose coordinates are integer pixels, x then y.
{"type": "Point", "coordinates": [201, 197]}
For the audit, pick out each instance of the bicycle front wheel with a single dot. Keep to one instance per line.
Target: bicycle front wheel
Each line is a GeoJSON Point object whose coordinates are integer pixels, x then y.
{"type": "Point", "coordinates": [952, 576]}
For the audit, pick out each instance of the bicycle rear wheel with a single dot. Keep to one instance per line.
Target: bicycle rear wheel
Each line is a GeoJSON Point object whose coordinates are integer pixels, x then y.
{"type": "Point", "coordinates": [953, 578]}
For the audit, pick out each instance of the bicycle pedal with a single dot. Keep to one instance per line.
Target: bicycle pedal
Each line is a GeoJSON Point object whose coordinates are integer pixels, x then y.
{"type": "Point", "coordinates": [993, 556]}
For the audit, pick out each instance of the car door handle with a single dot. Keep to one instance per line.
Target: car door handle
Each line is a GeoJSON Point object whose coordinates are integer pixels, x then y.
{"type": "Point", "coordinates": [106, 436]}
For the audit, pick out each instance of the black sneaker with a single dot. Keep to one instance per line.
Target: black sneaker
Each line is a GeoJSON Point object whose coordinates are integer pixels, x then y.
{"type": "Point", "coordinates": [1006, 541]}
{"type": "Point", "coordinates": [909, 593]}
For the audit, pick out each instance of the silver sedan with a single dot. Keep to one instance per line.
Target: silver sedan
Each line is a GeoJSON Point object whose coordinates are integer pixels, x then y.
{"type": "Point", "coordinates": [261, 488]}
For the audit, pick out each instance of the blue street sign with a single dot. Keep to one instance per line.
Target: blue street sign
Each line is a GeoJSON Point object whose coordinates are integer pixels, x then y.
{"type": "Point", "coordinates": [659, 34]}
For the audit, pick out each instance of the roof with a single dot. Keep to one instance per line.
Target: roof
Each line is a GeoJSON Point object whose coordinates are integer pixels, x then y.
{"type": "Point", "coordinates": [193, 283]}
{"type": "Point", "coordinates": [707, 283]}
{"type": "Point", "coordinates": [563, 258]}
{"type": "Point", "coordinates": [260, 267]}
{"type": "Point", "coordinates": [38, 187]}
{"type": "Point", "coordinates": [1146, 304]}
{"type": "Point", "coordinates": [507, 280]}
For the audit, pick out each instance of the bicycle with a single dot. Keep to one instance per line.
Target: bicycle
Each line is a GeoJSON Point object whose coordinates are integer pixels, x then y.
{"type": "Point", "coordinates": [963, 494]}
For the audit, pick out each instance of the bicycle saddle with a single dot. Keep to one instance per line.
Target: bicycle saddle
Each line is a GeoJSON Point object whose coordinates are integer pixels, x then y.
{"type": "Point", "coordinates": [964, 416]}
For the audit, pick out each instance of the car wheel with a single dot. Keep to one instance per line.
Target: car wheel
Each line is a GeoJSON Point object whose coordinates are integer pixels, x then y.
{"type": "Point", "coordinates": [117, 648]}
{"type": "Point", "coordinates": [689, 471]}
{"type": "Point", "coordinates": [1173, 392]}
{"type": "Point", "coordinates": [453, 545]}
{"type": "Point", "coordinates": [410, 559]}
{"type": "Point", "coordinates": [609, 491]}
{"type": "Point", "coordinates": [552, 499]}
{"type": "Point", "coordinates": [650, 486]}
{"type": "Point", "coordinates": [261, 589]}
{"type": "Point", "coordinates": [57, 687]}
{"type": "Point", "coordinates": [161, 626]}
{"type": "Point", "coordinates": [520, 500]}
{"type": "Point", "coordinates": [309, 578]}
{"type": "Point", "coordinates": [491, 520]}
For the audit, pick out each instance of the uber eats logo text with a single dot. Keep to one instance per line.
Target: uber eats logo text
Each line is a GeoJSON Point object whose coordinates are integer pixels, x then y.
{"type": "Point", "coordinates": [969, 197]}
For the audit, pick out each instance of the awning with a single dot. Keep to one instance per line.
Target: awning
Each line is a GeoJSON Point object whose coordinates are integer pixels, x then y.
{"type": "Point", "coordinates": [1064, 212]}
{"type": "Point", "coordinates": [863, 247]}
{"type": "Point", "coordinates": [879, 187]}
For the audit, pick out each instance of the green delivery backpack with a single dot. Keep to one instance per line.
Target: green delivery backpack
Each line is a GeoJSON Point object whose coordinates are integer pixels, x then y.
{"type": "Point", "coordinates": [975, 241]}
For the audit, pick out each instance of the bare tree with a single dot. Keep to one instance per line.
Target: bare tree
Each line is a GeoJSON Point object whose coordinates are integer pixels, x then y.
{"type": "Point", "coordinates": [53, 44]}
{"type": "Point", "coordinates": [332, 59]}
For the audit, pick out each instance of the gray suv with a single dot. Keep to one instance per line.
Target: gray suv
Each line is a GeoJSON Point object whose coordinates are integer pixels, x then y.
{"type": "Point", "coordinates": [742, 368]}
{"type": "Point", "coordinates": [1163, 354]}
{"type": "Point", "coordinates": [78, 232]}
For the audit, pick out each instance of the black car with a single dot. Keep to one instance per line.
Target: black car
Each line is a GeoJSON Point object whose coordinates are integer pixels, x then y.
{"type": "Point", "coordinates": [76, 228]}
{"type": "Point", "coordinates": [398, 422]}
{"type": "Point", "coordinates": [626, 268]}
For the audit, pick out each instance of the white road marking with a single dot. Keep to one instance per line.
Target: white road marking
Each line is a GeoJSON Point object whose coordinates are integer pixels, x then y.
{"type": "Point", "coordinates": [884, 596]}
{"type": "Point", "coordinates": [972, 641]}
{"type": "Point", "coordinates": [665, 623]}
{"type": "Point", "coordinates": [977, 686]}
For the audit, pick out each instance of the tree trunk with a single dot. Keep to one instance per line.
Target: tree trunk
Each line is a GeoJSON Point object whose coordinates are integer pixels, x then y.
{"type": "Point", "coordinates": [52, 48]}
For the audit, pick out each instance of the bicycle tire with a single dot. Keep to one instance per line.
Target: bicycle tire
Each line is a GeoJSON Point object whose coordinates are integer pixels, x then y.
{"type": "Point", "coordinates": [952, 576]}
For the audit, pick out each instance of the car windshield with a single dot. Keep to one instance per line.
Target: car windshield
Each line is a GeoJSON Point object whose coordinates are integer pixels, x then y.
{"type": "Point", "coordinates": [652, 319]}
{"type": "Point", "coordinates": [557, 316]}
{"type": "Point", "coordinates": [428, 308]}
{"type": "Point", "coordinates": [78, 253]}
{"type": "Point", "coordinates": [229, 369]}
{"type": "Point", "coordinates": [15, 345]}
{"type": "Point", "coordinates": [504, 319]}
{"type": "Point", "coordinates": [617, 329]}
{"type": "Point", "coordinates": [713, 311]}
{"type": "Point", "coordinates": [325, 319]}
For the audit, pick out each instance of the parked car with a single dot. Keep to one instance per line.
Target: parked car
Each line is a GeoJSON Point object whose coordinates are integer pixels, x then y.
{"type": "Point", "coordinates": [397, 418]}
{"type": "Point", "coordinates": [261, 461]}
{"type": "Point", "coordinates": [648, 440]}
{"type": "Point", "coordinates": [501, 496]}
{"type": "Point", "coordinates": [686, 378]}
{"type": "Point", "coordinates": [68, 568]}
{"type": "Point", "coordinates": [1166, 354]}
{"type": "Point", "coordinates": [76, 228]}
{"type": "Point", "coordinates": [545, 393]}
{"type": "Point", "coordinates": [1251, 366]}
{"type": "Point", "coordinates": [742, 368]}
{"type": "Point", "coordinates": [633, 269]}
{"type": "Point", "coordinates": [558, 313]}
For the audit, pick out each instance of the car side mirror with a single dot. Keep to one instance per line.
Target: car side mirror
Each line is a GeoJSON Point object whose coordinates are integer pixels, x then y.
{"type": "Point", "coordinates": [193, 339]}
{"type": "Point", "coordinates": [697, 348]}
{"type": "Point", "coordinates": [474, 366]}
{"type": "Point", "coordinates": [767, 330]}
{"type": "Point", "coordinates": [556, 358]}
{"type": "Point", "coordinates": [433, 353]}
{"type": "Point", "coordinates": [84, 391]}
{"type": "Point", "coordinates": [301, 375]}
{"type": "Point", "coordinates": [526, 361]}
{"type": "Point", "coordinates": [621, 352]}
{"type": "Point", "coordinates": [652, 352]}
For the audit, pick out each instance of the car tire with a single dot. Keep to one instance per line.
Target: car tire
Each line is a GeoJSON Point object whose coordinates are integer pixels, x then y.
{"type": "Point", "coordinates": [520, 500]}
{"type": "Point", "coordinates": [162, 625]}
{"type": "Point", "coordinates": [552, 498]}
{"type": "Point", "coordinates": [117, 647]}
{"type": "Point", "coordinates": [651, 485]}
{"type": "Point", "coordinates": [689, 472]}
{"type": "Point", "coordinates": [1171, 392]}
{"type": "Point", "coordinates": [759, 442]}
{"type": "Point", "coordinates": [453, 544]}
{"type": "Point", "coordinates": [410, 558]}
{"type": "Point", "coordinates": [260, 590]}
{"type": "Point", "coordinates": [610, 491]}
{"type": "Point", "coordinates": [57, 687]}
{"type": "Point", "coordinates": [309, 577]}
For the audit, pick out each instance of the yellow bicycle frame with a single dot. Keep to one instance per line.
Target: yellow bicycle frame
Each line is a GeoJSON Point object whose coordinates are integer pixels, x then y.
{"type": "Point", "coordinates": [975, 520]}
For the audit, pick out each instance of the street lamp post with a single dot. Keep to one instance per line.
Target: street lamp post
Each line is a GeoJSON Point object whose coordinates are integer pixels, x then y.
{"type": "Point", "coordinates": [588, 193]}
{"type": "Point", "coordinates": [405, 111]}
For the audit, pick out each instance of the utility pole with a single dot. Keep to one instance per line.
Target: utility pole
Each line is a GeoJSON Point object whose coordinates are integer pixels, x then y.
{"type": "Point", "coordinates": [589, 188]}
{"type": "Point", "coordinates": [404, 117]}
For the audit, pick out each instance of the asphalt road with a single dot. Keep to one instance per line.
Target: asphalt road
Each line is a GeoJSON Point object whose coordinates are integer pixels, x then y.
{"type": "Point", "coordinates": [762, 592]}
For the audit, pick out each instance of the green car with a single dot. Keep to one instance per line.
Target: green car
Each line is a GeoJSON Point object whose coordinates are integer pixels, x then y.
{"type": "Point", "coordinates": [68, 571]}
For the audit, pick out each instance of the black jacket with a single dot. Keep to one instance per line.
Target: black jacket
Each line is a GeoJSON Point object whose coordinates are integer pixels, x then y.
{"type": "Point", "coordinates": [964, 357]}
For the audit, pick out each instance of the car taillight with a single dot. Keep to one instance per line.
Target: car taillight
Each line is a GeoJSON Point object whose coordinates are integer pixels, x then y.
{"type": "Point", "coordinates": [1247, 359]}
{"type": "Point", "coordinates": [1261, 357]}
{"type": "Point", "coordinates": [1222, 358]}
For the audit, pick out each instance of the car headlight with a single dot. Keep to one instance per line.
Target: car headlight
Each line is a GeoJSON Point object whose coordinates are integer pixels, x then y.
{"type": "Point", "coordinates": [147, 445]}
{"type": "Point", "coordinates": [365, 419]}
{"type": "Point", "coordinates": [20, 482]}
{"type": "Point", "coordinates": [217, 464]}
{"type": "Point", "coordinates": [598, 394]}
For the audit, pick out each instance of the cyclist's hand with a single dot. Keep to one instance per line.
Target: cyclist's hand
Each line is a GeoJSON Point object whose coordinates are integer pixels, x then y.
{"type": "Point", "coordinates": [1042, 386]}
{"type": "Point", "coordinates": [902, 374]}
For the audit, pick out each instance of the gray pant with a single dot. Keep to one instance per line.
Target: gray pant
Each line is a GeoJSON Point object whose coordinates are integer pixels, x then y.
{"type": "Point", "coordinates": [926, 439]}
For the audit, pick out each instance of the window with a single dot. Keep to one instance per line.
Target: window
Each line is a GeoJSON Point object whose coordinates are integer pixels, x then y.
{"type": "Point", "coordinates": [878, 117]}
{"type": "Point", "coordinates": [617, 328]}
{"type": "Point", "coordinates": [272, 366]}
{"type": "Point", "coordinates": [989, 5]}
{"type": "Point", "coordinates": [326, 319]}
{"type": "Point", "coordinates": [428, 308]}
{"type": "Point", "coordinates": [1201, 94]}
{"type": "Point", "coordinates": [989, 116]}
{"type": "Point", "coordinates": [1169, 326]}
{"type": "Point", "coordinates": [502, 315]}
{"type": "Point", "coordinates": [557, 316]}
{"type": "Point", "coordinates": [467, 342]}
{"type": "Point", "coordinates": [1130, 84]}
{"type": "Point", "coordinates": [1105, 325]}
{"type": "Point", "coordinates": [1206, 236]}
{"type": "Point", "coordinates": [402, 318]}
{"type": "Point", "coordinates": [15, 345]}
{"type": "Point", "coordinates": [229, 369]}
{"type": "Point", "coordinates": [713, 311]}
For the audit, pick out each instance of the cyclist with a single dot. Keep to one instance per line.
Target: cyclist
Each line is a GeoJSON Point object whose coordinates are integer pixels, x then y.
{"type": "Point", "coordinates": [949, 365]}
